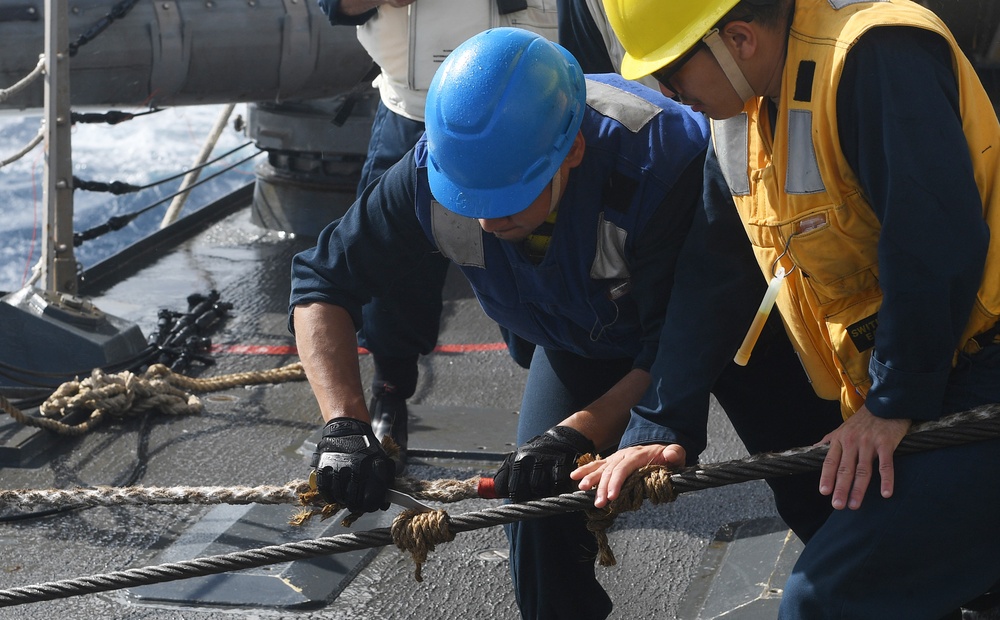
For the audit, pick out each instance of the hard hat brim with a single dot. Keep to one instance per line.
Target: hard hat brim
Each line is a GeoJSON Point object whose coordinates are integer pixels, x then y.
{"type": "Point", "coordinates": [684, 38]}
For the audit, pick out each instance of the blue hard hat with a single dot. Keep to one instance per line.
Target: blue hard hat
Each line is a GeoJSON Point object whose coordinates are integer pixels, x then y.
{"type": "Point", "coordinates": [502, 112]}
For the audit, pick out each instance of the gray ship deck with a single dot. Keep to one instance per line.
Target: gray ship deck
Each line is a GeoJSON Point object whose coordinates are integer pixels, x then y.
{"type": "Point", "coordinates": [670, 561]}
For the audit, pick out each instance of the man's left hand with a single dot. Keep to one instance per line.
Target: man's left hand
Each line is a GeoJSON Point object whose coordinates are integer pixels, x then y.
{"type": "Point", "coordinates": [854, 448]}
{"type": "Point", "coordinates": [541, 467]}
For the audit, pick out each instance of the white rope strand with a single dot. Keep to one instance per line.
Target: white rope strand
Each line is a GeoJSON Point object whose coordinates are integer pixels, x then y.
{"type": "Point", "coordinates": [27, 148]}
{"type": "Point", "coordinates": [39, 69]}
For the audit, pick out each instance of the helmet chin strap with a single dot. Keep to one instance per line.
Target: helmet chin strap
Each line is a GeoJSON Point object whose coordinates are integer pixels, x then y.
{"type": "Point", "coordinates": [556, 190]}
{"type": "Point", "coordinates": [729, 67]}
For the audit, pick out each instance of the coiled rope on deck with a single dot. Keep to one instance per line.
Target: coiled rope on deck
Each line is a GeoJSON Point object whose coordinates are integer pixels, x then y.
{"type": "Point", "coordinates": [160, 389]}
{"type": "Point", "coordinates": [418, 533]}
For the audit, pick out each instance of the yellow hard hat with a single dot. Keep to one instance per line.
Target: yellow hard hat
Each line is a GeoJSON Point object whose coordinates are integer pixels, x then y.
{"type": "Point", "coordinates": [655, 33]}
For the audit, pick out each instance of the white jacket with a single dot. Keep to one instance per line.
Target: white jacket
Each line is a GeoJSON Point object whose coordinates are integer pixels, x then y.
{"type": "Point", "coordinates": [409, 43]}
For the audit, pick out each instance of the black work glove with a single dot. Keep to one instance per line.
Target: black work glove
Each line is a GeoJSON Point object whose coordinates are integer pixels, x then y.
{"type": "Point", "coordinates": [352, 469]}
{"type": "Point", "coordinates": [541, 467]}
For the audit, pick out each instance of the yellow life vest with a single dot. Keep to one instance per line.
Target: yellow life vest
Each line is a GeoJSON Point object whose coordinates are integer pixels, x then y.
{"type": "Point", "coordinates": [803, 207]}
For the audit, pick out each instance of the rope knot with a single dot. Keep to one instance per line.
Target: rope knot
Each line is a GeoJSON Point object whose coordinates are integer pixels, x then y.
{"type": "Point", "coordinates": [650, 482]}
{"type": "Point", "coordinates": [419, 533]}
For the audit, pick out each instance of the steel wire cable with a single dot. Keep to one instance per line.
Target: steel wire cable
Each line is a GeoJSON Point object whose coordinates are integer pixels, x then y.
{"type": "Point", "coordinates": [120, 221]}
{"type": "Point", "coordinates": [120, 188]}
{"type": "Point", "coordinates": [976, 425]}
{"type": "Point", "coordinates": [276, 554]}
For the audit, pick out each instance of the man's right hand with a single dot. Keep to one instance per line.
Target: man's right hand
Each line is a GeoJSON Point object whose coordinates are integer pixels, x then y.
{"type": "Point", "coordinates": [351, 467]}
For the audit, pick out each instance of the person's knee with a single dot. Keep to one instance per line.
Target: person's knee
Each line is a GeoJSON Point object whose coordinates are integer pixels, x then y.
{"type": "Point", "coordinates": [802, 599]}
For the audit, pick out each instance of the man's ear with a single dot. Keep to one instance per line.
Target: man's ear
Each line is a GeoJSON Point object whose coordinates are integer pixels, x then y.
{"type": "Point", "coordinates": [741, 38]}
{"type": "Point", "coordinates": [575, 155]}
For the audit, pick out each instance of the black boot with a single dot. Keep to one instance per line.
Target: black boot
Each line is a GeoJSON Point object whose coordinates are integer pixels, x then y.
{"type": "Point", "coordinates": [389, 417]}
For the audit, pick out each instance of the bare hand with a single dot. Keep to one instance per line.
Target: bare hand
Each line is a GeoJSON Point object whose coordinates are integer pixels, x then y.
{"type": "Point", "coordinates": [609, 474]}
{"type": "Point", "coordinates": [854, 447]}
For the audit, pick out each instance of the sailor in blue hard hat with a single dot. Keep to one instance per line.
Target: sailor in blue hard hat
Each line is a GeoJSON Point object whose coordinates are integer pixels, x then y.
{"type": "Point", "coordinates": [565, 201]}
{"type": "Point", "coordinates": [497, 139]}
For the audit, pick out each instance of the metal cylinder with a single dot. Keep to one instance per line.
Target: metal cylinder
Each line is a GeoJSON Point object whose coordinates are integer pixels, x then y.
{"type": "Point", "coordinates": [188, 52]}
{"type": "Point", "coordinates": [315, 151]}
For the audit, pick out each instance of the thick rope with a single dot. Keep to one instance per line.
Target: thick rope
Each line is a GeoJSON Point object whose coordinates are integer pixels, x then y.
{"type": "Point", "coordinates": [291, 372]}
{"type": "Point", "coordinates": [24, 82]}
{"type": "Point", "coordinates": [125, 393]}
{"type": "Point", "coordinates": [7, 93]}
{"type": "Point", "coordinates": [141, 496]}
{"type": "Point", "coordinates": [27, 148]}
{"type": "Point", "coordinates": [419, 533]}
{"type": "Point", "coordinates": [292, 493]}
{"type": "Point", "coordinates": [652, 482]}
{"type": "Point", "coordinates": [117, 395]}
{"type": "Point", "coordinates": [409, 530]}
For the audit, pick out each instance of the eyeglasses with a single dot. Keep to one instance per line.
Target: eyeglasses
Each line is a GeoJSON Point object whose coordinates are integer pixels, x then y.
{"type": "Point", "coordinates": [665, 74]}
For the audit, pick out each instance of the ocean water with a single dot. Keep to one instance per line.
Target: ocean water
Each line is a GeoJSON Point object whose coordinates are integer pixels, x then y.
{"type": "Point", "coordinates": [139, 152]}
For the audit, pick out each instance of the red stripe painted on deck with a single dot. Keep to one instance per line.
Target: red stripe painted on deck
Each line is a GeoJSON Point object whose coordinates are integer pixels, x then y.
{"type": "Point", "coordinates": [266, 349]}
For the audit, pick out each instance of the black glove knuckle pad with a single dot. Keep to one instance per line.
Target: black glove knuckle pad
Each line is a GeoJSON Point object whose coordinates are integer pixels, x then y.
{"type": "Point", "coordinates": [352, 469]}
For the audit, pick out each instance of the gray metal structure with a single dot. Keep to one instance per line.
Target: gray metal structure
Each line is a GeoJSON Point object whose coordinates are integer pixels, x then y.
{"type": "Point", "coordinates": [188, 52]}
{"type": "Point", "coordinates": [308, 77]}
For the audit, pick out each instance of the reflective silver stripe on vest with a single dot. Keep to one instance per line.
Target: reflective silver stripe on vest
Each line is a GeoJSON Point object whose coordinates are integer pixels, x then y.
{"type": "Point", "coordinates": [458, 237]}
{"type": "Point", "coordinates": [803, 171]}
{"type": "Point", "coordinates": [731, 148]}
{"type": "Point", "coordinates": [630, 110]}
{"type": "Point", "coordinates": [609, 259]}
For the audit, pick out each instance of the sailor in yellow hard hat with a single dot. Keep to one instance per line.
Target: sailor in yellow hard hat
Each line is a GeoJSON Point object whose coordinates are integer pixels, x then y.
{"type": "Point", "coordinates": [662, 37]}
{"type": "Point", "coordinates": [860, 149]}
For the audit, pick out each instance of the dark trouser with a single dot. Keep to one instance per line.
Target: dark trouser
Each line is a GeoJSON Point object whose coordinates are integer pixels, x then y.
{"type": "Point", "coordinates": [926, 550]}
{"type": "Point", "coordinates": [552, 559]}
{"type": "Point", "coordinates": [403, 325]}
{"type": "Point", "coordinates": [400, 327]}
{"type": "Point", "coordinates": [773, 408]}
{"type": "Point", "coordinates": [392, 137]}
